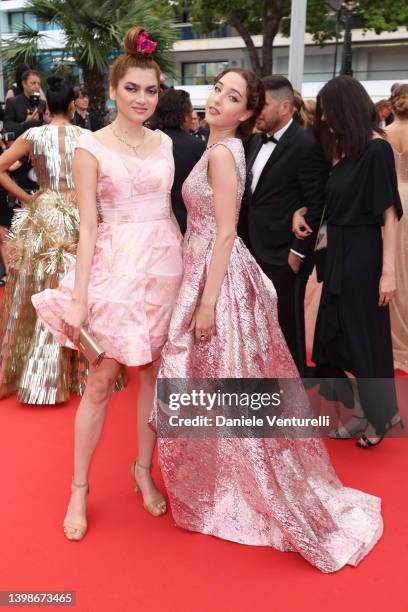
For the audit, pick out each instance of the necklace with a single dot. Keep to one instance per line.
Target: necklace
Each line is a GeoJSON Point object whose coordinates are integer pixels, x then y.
{"type": "Point", "coordinates": [128, 144]}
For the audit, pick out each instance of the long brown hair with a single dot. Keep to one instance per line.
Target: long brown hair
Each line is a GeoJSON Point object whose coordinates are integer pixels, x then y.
{"type": "Point", "coordinates": [350, 118]}
{"type": "Point", "coordinates": [255, 98]}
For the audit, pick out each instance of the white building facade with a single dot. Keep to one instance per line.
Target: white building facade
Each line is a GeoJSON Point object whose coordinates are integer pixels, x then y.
{"type": "Point", "coordinates": [376, 58]}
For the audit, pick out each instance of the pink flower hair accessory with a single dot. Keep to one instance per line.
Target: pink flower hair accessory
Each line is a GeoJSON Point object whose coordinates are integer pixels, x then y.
{"type": "Point", "coordinates": [144, 44]}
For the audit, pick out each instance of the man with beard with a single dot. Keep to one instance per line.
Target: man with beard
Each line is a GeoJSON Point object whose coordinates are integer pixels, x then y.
{"type": "Point", "coordinates": [286, 171]}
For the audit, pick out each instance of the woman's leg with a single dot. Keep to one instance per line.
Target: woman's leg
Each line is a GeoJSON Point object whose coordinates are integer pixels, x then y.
{"type": "Point", "coordinates": [147, 439]}
{"type": "Point", "coordinates": [89, 421]}
{"type": "Point", "coordinates": [358, 421]}
{"type": "Point", "coordinates": [380, 401]}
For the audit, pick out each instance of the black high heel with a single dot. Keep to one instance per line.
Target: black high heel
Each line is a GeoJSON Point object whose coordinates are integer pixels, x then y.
{"type": "Point", "coordinates": [367, 441]}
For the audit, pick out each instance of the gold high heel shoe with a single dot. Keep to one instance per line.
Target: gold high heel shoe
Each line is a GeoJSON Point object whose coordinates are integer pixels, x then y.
{"type": "Point", "coordinates": [78, 527]}
{"type": "Point", "coordinates": [158, 506]}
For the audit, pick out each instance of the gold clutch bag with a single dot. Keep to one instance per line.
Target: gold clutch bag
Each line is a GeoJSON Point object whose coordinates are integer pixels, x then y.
{"type": "Point", "coordinates": [90, 348]}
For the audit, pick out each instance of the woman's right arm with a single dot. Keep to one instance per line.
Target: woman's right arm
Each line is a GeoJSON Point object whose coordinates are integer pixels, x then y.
{"type": "Point", "coordinates": [20, 148]}
{"type": "Point", "coordinates": [85, 174]}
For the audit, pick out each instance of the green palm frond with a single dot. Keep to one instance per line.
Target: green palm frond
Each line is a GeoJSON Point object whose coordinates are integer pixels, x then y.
{"type": "Point", "coordinates": [94, 29]}
{"type": "Point", "coordinates": [24, 48]}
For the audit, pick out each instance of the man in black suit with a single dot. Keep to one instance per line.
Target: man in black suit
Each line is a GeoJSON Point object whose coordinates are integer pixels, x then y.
{"type": "Point", "coordinates": [82, 117]}
{"type": "Point", "coordinates": [187, 150]}
{"type": "Point", "coordinates": [22, 112]}
{"type": "Point", "coordinates": [173, 117]}
{"type": "Point", "coordinates": [286, 171]}
{"type": "Point", "coordinates": [27, 109]}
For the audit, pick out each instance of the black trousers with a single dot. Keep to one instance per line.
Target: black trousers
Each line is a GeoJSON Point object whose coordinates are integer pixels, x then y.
{"type": "Point", "coordinates": [290, 288]}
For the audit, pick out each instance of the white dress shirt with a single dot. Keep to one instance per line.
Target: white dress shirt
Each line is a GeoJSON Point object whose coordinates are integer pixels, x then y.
{"type": "Point", "coordinates": [259, 164]}
{"type": "Point", "coordinates": [264, 154]}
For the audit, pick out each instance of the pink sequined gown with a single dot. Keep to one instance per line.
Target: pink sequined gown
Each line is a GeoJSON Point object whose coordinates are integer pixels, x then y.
{"type": "Point", "coordinates": [137, 264]}
{"type": "Point", "coordinates": [276, 492]}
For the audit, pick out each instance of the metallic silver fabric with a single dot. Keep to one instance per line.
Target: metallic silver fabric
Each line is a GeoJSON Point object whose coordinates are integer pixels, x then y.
{"type": "Point", "coordinates": [52, 154]}
{"type": "Point", "coordinates": [277, 492]}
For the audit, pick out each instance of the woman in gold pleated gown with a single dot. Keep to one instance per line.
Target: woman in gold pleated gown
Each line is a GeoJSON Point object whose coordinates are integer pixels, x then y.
{"type": "Point", "coordinates": [397, 136]}
{"type": "Point", "coordinates": [41, 244]}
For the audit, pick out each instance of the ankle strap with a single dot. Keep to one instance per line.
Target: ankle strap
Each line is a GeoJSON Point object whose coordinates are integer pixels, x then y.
{"type": "Point", "coordinates": [144, 467]}
{"type": "Point", "coordinates": [79, 486]}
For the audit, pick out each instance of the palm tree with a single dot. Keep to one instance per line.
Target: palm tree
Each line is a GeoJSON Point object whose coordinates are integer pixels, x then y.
{"type": "Point", "coordinates": [93, 31]}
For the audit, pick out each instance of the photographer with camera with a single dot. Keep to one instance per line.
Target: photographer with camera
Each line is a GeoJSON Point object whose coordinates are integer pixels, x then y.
{"type": "Point", "coordinates": [25, 110]}
{"type": "Point", "coordinates": [22, 112]}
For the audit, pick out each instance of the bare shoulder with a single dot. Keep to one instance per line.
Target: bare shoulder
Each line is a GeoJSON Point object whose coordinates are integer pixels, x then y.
{"type": "Point", "coordinates": [392, 132]}
{"type": "Point", "coordinates": [103, 135]}
{"type": "Point", "coordinates": [221, 154]}
{"type": "Point", "coordinates": [155, 136]}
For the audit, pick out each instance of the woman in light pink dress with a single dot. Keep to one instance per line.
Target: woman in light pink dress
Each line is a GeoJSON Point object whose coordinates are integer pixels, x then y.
{"type": "Point", "coordinates": [279, 492]}
{"type": "Point", "coordinates": [128, 267]}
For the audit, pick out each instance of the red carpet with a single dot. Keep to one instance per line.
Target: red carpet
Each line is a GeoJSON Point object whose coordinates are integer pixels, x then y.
{"type": "Point", "coordinates": [131, 561]}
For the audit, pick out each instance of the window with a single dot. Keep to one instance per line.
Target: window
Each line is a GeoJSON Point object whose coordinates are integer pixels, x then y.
{"type": "Point", "coordinates": [185, 31]}
{"type": "Point", "coordinates": [202, 73]}
{"type": "Point", "coordinates": [18, 20]}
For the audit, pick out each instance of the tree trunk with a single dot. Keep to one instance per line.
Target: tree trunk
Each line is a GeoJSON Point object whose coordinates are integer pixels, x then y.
{"type": "Point", "coordinates": [244, 33]}
{"type": "Point", "coordinates": [94, 81]}
{"type": "Point", "coordinates": [272, 13]}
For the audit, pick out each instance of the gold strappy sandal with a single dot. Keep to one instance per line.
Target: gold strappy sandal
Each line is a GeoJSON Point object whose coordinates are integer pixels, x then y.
{"type": "Point", "coordinates": [80, 528]}
{"type": "Point", "coordinates": [158, 506]}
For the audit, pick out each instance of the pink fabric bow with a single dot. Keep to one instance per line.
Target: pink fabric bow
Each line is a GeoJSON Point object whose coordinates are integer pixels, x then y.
{"type": "Point", "coordinates": [144, 44]}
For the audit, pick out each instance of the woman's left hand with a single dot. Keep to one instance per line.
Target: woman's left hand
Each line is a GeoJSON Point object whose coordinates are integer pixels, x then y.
{"type": "Point", "coordinates": [203, 323]}
{"type": "Point", "coordinates": [388, 289]}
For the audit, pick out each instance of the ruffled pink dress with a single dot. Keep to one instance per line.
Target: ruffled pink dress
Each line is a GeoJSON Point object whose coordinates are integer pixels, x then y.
{"type": "Point", "coordinates": [137, 265]}
{"type": "Point", "coordinates": [279, 492]}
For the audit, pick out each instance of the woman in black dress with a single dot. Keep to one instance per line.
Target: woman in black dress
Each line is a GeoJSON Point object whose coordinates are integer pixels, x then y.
{"type": "Point", "coordinates": [362, 207]}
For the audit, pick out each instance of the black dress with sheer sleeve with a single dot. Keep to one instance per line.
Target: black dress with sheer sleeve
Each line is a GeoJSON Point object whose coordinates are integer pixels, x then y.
{"type": "Point", "coordinates": [352, 332]}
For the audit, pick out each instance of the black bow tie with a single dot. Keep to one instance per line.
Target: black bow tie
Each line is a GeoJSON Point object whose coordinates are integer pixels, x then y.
{"type": "Point", "coordinates": [266, 138]}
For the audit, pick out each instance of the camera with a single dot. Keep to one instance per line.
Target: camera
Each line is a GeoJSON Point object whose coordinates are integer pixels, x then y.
{"type": "Point", "coordinates": [34, 100]}
{"type": "Point", "coordinates": [7, 136]}
{"type": "Point", "coordinates": [36, 104]}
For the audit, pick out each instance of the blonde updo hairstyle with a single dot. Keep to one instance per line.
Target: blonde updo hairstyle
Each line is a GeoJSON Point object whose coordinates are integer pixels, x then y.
{"type": "Point", "coordinates": [132, 58]}
{"type": "Point", "coordinates": [399, 101]}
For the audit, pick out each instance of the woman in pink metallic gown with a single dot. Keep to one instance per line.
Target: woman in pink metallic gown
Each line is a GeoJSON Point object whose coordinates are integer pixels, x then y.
{"type": "Point", "coordinates": [279, 492]}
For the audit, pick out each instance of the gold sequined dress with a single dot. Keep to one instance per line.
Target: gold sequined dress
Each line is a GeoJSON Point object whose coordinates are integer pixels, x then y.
{"type": "Point", "coordinates": [42, 243]}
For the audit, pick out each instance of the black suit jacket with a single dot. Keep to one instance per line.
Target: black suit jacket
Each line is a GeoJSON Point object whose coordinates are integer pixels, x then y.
{"type": "Point", "coordinates": [187, 150]}
{"type": "Point", "coordinates": [89, 123]}
{"type": "Point", "coordinates": [294, 176]}
{"type": "Point", "coordinates": [15, 115]}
